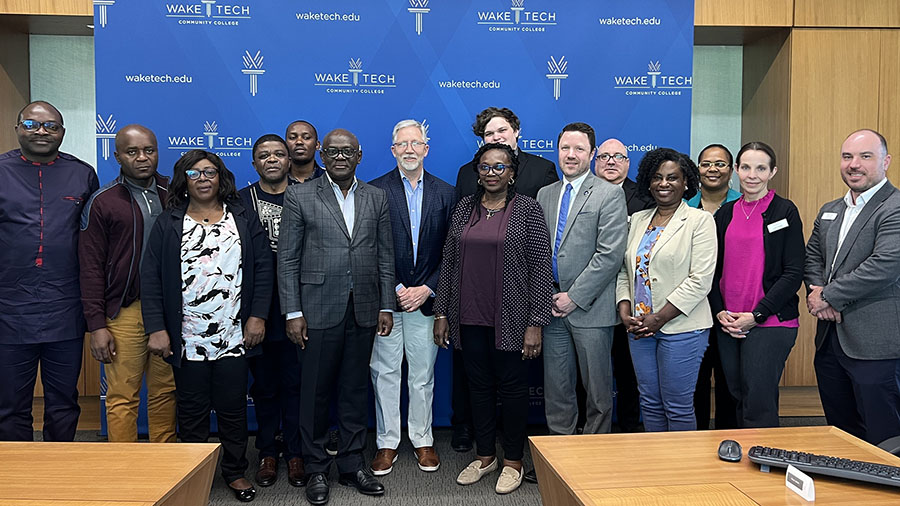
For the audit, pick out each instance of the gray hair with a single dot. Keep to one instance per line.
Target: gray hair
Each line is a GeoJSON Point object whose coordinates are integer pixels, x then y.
{"type": "Point", "coordinates": [408, 123]}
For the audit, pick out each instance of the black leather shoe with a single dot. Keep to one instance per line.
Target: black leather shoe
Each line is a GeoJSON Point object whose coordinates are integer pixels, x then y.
{"type": "Point", "coordinates": [334, 439]}
{"type": "Point", "coordinates": [243, 494]}
{"type": "Point", "coordinates": [530, 476]}
{"type": "Point", "coordinates": [462, 438]}
{"type": "Point", "coordinates": [364, 482]}
{"type": "Point", "coordinates": [317, 489]}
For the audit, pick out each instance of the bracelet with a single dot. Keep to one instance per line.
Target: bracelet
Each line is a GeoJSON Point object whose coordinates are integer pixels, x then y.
{"type": "Point", "coordinates": [440, 317]}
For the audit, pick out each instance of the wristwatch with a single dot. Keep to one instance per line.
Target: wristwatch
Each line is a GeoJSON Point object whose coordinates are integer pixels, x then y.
{"type": "Point", "coordinates": [759, 317]}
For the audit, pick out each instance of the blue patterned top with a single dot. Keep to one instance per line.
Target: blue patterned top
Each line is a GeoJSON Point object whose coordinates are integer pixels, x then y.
{"type": "Point", "coordinates": [643, 300]}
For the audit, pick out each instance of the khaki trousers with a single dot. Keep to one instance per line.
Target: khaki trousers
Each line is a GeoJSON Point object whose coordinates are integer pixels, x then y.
{"type": "Point", "coordinates": [124, 376]}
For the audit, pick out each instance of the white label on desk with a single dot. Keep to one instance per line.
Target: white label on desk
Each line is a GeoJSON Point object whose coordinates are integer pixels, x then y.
{"type": "Point", "coordinates": [800, 483]}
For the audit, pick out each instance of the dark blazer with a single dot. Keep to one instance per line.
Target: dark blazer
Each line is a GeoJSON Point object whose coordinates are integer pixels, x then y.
{"type": "Point", "coordinates": [633, 200]}
{"type": "Point", "coordinates": [534, 173]}
{"type": "Point", "coordinates": [161, 298]}
{"type": "Point", "coordinates": [864, 282]}
{"type": "Point", "coordinates": [318, 261]}
{"type": "Point", "coordinates": [785, 255]}
{"type": "Point", "coordinates": [438, 200]}
{"type": "Point", "coordinates": [527, 276]}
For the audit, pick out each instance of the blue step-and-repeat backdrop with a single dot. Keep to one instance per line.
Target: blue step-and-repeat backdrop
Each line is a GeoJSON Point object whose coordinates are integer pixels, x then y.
{"type": "Point", "coordinates": [216, 74]}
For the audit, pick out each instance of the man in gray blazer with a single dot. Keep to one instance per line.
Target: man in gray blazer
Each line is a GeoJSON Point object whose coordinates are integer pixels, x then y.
{"type": "Point", "coordinates": [587, 218]}
{"type": "Point", "coordinates": [853, 280]}
{"type": "Point", "coordinates": [336, 282]}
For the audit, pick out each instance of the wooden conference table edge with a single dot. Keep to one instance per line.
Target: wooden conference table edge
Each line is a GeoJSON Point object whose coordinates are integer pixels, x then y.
{"type": "Point", "coordinates": [559, 487]}
{"type": "Point", "coordinates": [188, 481]}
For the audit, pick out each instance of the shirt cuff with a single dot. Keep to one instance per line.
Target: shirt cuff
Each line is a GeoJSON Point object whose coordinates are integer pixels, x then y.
{"type": "Point", "coordinates": [294, 314]}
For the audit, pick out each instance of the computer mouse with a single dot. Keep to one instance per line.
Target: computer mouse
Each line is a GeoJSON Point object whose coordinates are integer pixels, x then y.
{"type": "Point", "coordinates": [730, 450]}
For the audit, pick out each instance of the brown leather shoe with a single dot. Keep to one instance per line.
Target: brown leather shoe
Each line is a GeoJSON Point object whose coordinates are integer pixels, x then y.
{"type": "Point", "coordinates": [428, 459]}
{"type": "Point", "coordinates": [296, 473]}
{"type": "Point", "coordinates": [268, 471]}
{"type": "Point", "coordinates": [383, 462]}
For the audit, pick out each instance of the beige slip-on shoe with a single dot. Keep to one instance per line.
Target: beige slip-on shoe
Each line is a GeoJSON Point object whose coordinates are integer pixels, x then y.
{"type": "Point", "coordinates": [509, 480]}
{"type": "Point", "coordinates": [473, 472]}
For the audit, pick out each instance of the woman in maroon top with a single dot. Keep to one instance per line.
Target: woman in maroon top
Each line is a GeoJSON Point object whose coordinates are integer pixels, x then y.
{"type": "Point", "coordinates": [492, 301]}
{"type": "Point", "coordinates": [754, 294]}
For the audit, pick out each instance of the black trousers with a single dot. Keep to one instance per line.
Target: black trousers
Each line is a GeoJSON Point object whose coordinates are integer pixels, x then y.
{"type": "Point", "coordinates": [628, 401]}
{"type": "Point", "coordinates": [459, 400]}
{"type": "Point", "coordinates": [60, 366]}
{"type": "Point", "coordinates": [494, 374]}
{"type": "Point", "coordinates": [220, 385]}
{"type": "Point", "coordinates": [276, 394]}
{"type": "Point", "coordinates": [726, 405]}
{"type": "Point", "coordinates": [336, 358]}
{"type": "Point", "coordinates": [861, 397]}
{"type": "Point", "coordinates": [752, 367]}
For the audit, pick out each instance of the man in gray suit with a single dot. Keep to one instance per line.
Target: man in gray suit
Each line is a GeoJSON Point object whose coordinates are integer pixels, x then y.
{"type": "Point", "coordinates": [336, 282]}
{"type": "Point", "coordinates": [853, 278]}
{"type": "Point", "coordinates": [587, 217]}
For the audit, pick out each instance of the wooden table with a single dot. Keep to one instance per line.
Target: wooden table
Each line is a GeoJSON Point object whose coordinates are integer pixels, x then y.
{"type": "Point", "coordinates": [106, 474]}
{"type": "Point", "coordinates": [683, 468]}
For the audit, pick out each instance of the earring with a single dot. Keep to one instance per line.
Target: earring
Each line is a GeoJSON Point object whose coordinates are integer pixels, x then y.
{"type": "Point", "coordinates": [479, 182]}
{"type": "Point", "coordinates": [512, 180]}
{"type": "Point", "coordinates": [185, 194]}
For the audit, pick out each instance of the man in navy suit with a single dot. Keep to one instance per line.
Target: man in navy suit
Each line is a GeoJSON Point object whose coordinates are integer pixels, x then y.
{"type": "Point", "coordinates": [420, 206]}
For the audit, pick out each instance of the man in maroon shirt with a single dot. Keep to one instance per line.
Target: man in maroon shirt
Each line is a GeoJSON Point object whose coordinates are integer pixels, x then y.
{"type": "Point", "coordinates": [42, 193]}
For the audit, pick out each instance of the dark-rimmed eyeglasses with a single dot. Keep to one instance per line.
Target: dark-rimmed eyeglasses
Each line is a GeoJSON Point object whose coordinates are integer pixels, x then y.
{"type": "Point", "coordinates": [334, 152]}
{"type": "Point", "coordinates": [498, 169]}
{"type": "Point", "coordinates": [194, 174]}
{"type": "Point", "coordinates": [718, 165]}
{"type": "Point", "coordinates": [603, 157]}
{"type": "Point", "coordinates": [34, 125]}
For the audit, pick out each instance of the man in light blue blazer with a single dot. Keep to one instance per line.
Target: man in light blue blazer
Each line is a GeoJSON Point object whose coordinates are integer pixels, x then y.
{"type": "Point", "coordinates": [588, 221]}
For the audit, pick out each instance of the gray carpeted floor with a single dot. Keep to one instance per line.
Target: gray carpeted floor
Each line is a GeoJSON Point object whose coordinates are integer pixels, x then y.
{"type": "Point", "coordinates": [406, 485]}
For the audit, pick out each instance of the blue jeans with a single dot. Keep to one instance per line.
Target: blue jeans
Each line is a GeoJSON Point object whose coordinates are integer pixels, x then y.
{"type": "Point", "coordinates": [666, 367]}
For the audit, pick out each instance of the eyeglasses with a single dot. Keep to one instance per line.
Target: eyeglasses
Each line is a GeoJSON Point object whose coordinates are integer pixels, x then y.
{"type": "Point", "coordinates": [498, 169]}
{"type": "Point", "coordinates": [194, 174]}
{"type": "Point", "coordinates": [334, 152]}
{"type": "Point", "coordinates": [603, 157]}
{"type": "Point", "coordinates": [34, 125]}
{"type": "Point", "coordinates": [402, 145]}
{"type": "Point", "coordinates": [718, 165]}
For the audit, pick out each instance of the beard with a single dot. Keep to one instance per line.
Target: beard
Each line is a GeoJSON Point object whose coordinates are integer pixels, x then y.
{"type": "Point", "coordinates": [409, 165]}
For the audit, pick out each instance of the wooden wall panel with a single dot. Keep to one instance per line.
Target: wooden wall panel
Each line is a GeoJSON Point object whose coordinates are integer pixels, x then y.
{"type": "Point", "coordinates": [847, 13]}
{"type": "Point", "coordinates": [765, 109]}
{"type": "Point", "coordinates": [743, 12]}
{"type": "Point", "coordinates": [14, 84]}
{"type": "Point", "coordinates": [48, 7]}
{"type": "Point", "coordinates": [889, 98]}
{"type": "Point", "coordinates": [834, 90]}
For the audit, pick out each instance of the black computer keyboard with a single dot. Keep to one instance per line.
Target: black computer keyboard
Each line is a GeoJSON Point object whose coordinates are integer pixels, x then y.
{"type": "Point", "coordinates": [823, 464]}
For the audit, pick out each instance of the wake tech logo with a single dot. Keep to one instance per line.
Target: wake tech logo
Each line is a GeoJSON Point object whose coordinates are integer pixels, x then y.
{"type": "Point", "coordinates": [655, 82]}
{"type": "Point", "coordinates": [101, 11]}
{"type": "Point", "coordinates": [253, 68]}
{"type": "Point", "coordinates": [557, 73]}
{"type": "Point", "coordinates": [419, 8]}
{"type": "Point", "coordinates": [208, 12]}
{"type": "Point", "coordinates": [355, 80]}
{"type": "Point", "coordinates": [211, 140]}
{"type": "Point", "coordinates": [517, 19]}
{"type": "Point", "coordinates": [106, 132]}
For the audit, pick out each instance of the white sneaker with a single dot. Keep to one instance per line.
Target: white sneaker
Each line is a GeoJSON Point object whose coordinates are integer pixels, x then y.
{"type": "Point", "coordinates": [473, 472]}
{"type": "Point", "coordinates": [509, 480]}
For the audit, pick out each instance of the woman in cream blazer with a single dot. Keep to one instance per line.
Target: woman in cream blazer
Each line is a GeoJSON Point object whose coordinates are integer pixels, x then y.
{"type": "Point", "coordinates": [661, 290]}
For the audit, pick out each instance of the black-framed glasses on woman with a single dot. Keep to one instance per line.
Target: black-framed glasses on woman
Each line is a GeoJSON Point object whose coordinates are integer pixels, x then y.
{"type": "Point", "coordinates": [194, 174]}
{"type": "Point", "coordinates": [498, 169]}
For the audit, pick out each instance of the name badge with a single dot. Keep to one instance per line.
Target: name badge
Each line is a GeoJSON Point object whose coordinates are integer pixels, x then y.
{"type": "Point", "coordinates": [778, 225]}
{"type": "Point", "coordinates": [829, 216]}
